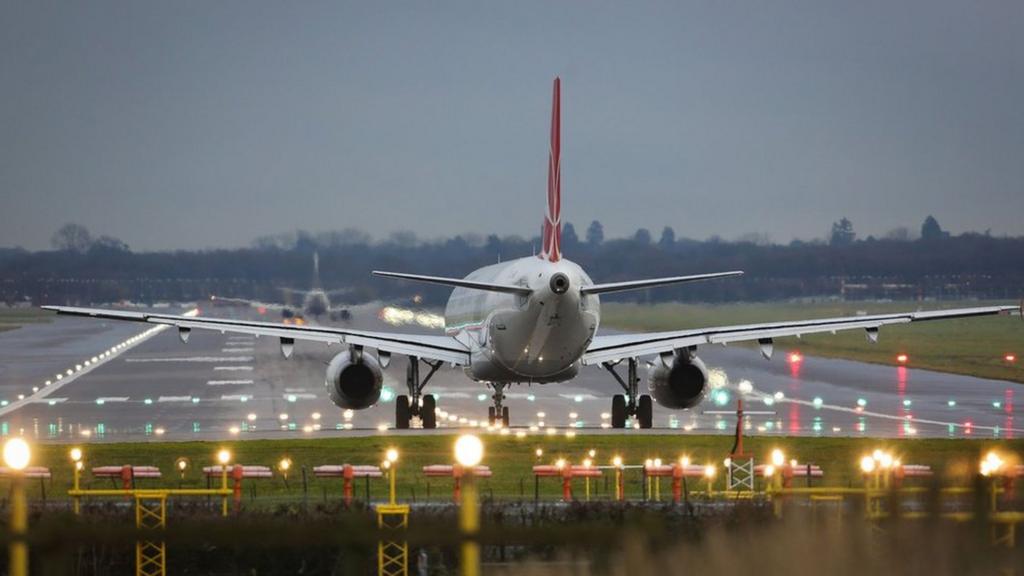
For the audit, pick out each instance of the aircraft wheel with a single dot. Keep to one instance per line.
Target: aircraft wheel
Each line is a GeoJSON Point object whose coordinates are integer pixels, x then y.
{"type": "Point", "coordinates": [618, 411]}
{"type": "Point", "coordinates": [504, 416]}
{"type": "Point", "coordinates": [402, 412]}
{"type": "Point", "coordinates": [645, 411]}
{"type": "Point", "coordinates": [428, 412]}
{"type": "Point", "coordinates": [490, 415]}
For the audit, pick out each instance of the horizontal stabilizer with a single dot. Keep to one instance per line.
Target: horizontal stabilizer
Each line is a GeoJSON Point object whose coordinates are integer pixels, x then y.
{"type": "Point", "coordinates": [653, 282]}
{"type": "Point", "coordinates": [459, 282]}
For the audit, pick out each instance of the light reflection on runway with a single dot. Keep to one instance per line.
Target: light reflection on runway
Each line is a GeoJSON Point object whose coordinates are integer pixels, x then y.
{"type": "Point", "coordinates": [235, 385]}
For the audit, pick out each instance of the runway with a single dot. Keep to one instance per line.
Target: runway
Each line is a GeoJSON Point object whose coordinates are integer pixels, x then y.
{"type": "Point", "coordinates": [222, 386]}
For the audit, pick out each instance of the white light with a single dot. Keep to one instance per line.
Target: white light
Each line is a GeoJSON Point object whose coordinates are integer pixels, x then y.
{"type": "Point", "coordinates": [391, 455]}
{"type": "Point", "coordinates": [348, 414]}
{"type": "Point", "coordinates": [251, 417]}
{"type": "Point", "coordinates": [16, 454]}
{"type": "Point", "coordinates": [224, 456]}
{"type": "Point", "coordinates": [469, 450]}
{"type": "Point", "coordinates": [316, 415]}
{"type": "Point", "coordinates": [778, 458]}
{"type": "Point", "coordinates": [746, 387]}
{"type": "Point", "coordinates": [234, 430]}
{"type": "Point", "coordinates": [76, 454]}
{"type": "Point", "coordinates": [282, 417]}
{"type": "Point", "coordinates": [867, 464]}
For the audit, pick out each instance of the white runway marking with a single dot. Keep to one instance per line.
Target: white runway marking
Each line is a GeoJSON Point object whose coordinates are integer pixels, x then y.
{"type": "Point", "coordinates": [174, 399]}
{"type": "Point", "coordinates": [234, 368]}
{"type": "Point", "coordinates": [295, 389]}
{"type": "Point", "coordinates": [236, 397]}
{"type": "Point", "coordinates": [300, 396]}
{"type": "Point", "coordinates": [236, 350]}
{"type": "Point", "coordinates": [228, 382]}
{"type": "Point", "coordinates": [50, 401]}
{"type": "Point", "coordinates": [202, 359]}
{"type": "Point", "coordinates": [105, 399]}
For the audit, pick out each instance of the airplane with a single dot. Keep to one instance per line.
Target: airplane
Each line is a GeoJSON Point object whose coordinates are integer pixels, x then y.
{"type": "Point", "coordinates": [531, 320]}
{"type": "Point", "coordinates": [316, 301]}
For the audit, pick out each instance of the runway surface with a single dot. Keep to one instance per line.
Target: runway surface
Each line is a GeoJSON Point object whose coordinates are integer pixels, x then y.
{"type": "Point", "coordinates": [223, 385]}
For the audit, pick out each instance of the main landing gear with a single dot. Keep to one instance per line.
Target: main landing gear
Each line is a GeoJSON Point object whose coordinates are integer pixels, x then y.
{"type": "Point", "coordinates": [498, 411]}
{"type": "Point", "coordinates": [423, 406]}
{"type": "Point", "coordinates": [632, 403]}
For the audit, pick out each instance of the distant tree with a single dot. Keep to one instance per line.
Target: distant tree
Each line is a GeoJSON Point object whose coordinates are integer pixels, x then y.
{"type": "Point", "coordinates": [72, 237]}
{"type": "Point", "coordinates": [755, 238]}
{"type": "Point", "coordinates": [595, 233]}
{"type": "Point", "coordinates": [109, 243]}
{"type": "Point", "coordinates": [642, 236]}
{"type": "Point", "coordinates": [569, 237]}
{"type": "Point", "coordinates": [668, 238]}
{"type": "Point", "coordinates": [901, 234]}
{"type": "Point", "coordinates": [404, 239]}
{"type": "Point", "coordinates": [931, 230]}
{"type": "Point", "coordinates": [842, 233]}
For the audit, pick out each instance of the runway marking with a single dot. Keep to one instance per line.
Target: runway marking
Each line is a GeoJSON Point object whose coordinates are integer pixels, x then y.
{"type": "Point", "coordinates": [105, 399]}
{"type": "Point", "coordinates": [50, 401]}
{"type": "Point", "coordinates": [228, 382]}
{"type": "Point", "coordinates": [202, 359]}
{"type": "Point", "coordinates": [234, 368]}
{"type": "Point", "coordinates": [241, 338]}
{"type": "Point", "coordinates": [295, 389]}
{"type": "Point", "coordinates": [236, 397]}
{"type": "Point", "coordinates": [174, 399]}
{"type": "Point", "coordinates": [300, 396]}
{"type": "Point", "coordinates": [236, 350]}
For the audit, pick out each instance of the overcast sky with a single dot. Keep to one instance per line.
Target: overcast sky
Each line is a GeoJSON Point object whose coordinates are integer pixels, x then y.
{"type": "Point", "coordinates": [201, 124]}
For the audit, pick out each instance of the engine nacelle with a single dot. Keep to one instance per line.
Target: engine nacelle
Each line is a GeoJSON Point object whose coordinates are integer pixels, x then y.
{"type": "Point", "coordinates": [354, 381]}
{"type": "Point", "coordinates": [683, 384]}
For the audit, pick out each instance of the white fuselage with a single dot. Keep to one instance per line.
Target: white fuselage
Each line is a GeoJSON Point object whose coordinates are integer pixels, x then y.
{"type": "Point", "coordinates": [515, 338]}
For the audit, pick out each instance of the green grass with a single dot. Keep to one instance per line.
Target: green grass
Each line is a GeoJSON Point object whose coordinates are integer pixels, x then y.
{"type": "Point", "coordinates": [11, 318]}
{"type": "Point", "coordinates": [973, 346]}
{"type": "Point", "coordinates": [510, 459]}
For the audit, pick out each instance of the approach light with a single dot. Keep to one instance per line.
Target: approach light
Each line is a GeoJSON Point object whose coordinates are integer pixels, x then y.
{"type": "Point", "coordinates": [539, 452]}
{"type": "Point", "coordinates": [991, 465]}
{"type": "Point", "coordinates": [181, 464]}
{"type": "Point", "coordinates": [867, 464]}
{"type": "Point", "coordinates": [284, 465]}
{"type": "Point", "coordinates": [592, 453]}
{"type": "Point", "coordinates": [709, 471]}
{"type": "Point", "coordinates": [902, 358]}
{"type": "Point", "coordinates": [778, 458]}
{"type": "Point", "coordinates": [224, 456]}
{"type": "Point", "coordinates": [657, 462]}
{"type": "Point", "coordinates": [587, 462]}
{"type": "Point", "coordinates": [769, 471]}
{"type": "Point", "coordinates": [684, 461]}
{"type": "Point", "coordinates": [617, 461]}
{"type": "Point", "coordinates": [17, 454]}
{"type": "Point", "coordinates": [886, 460]}
{"type": "Point", "coordinates": [469, 450]}
{"type": "Point", "coordinates": [391, 455]}
{"type": "Point", "coordinates": [1010, 357]}
{"type": "Point", "coordinates": [76, 454]}
{"type": "Point", "coordinates": [560, 463]}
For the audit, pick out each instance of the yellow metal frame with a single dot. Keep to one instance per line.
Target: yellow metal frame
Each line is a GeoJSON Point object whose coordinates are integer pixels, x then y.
{"type": "Point", "coordinates": [393, 550]}
{"type": "Point", "coordinates": [150, 514]}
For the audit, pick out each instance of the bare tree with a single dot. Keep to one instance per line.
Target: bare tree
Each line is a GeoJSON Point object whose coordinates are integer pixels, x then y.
{"type": "Point", "coordinates": [72, 237]}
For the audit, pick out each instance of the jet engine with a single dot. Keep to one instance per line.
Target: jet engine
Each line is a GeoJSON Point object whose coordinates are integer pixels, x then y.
{"type": "Point", "coordinates": [678, 381]}
{"type": "Point", "coordinates": [354, 380]}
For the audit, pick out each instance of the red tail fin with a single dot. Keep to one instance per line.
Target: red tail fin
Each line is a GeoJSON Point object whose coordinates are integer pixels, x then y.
{"type": "Point", "coordinates": [553, 220]}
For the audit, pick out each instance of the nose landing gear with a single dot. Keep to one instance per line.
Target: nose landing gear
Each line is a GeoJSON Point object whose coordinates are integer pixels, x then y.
{"type": "Point", "coordinates": [632, 403]}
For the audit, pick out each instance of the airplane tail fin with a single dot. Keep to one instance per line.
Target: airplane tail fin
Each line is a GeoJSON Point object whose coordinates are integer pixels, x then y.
{"type": "Point", "coordinates": [552, 249]}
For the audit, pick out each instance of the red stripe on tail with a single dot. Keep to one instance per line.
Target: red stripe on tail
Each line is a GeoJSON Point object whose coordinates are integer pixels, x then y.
{"type": "Point", "coordinates": [553, 219]}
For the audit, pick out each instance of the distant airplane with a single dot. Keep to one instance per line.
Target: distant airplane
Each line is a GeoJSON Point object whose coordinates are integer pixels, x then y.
{"type": "Point", "coordinates": [532, 320]}
{"type": "Point", "coordinates": [316, 301]}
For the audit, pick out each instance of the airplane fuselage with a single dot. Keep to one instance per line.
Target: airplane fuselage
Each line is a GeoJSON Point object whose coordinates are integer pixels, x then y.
{"type": "Point", "coordinates": [515, 338]}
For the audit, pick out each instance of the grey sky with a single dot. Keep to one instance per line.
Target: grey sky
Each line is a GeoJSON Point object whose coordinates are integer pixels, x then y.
{"type": "Point", "coordinates": [196, 124]}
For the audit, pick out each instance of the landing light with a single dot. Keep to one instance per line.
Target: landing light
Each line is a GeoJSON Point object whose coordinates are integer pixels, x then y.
{"type": "Point", "coordinates": [1010, 357]}
{"type": "Point", "coordinates": [902, 358]}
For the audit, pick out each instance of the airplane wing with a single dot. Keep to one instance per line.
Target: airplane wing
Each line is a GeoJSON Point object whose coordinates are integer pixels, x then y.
{"type": "Point", "coordinates": [611, 348]}
{"type": "Point", "coordinates": [444, 348]}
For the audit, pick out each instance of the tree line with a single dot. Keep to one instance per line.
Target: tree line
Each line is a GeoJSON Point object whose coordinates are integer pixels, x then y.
{"type": "Point", "coordinates": [82, 269]}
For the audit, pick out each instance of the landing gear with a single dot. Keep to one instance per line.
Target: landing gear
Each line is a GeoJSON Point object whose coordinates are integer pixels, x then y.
{"type": "Point", "coordinates": [498, 411]}
{"type": "Point", "coordinates": [632, 403]}
{"type": "Point", "coordinates": [415, 403]}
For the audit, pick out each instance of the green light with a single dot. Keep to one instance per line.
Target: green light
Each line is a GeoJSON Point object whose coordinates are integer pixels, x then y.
{"type": "Point", "coordinates": [292, 397]}
{"type": "Point", "coordinates": [387, 394]}
{"type": "Point", "coordinates": [906, 403]}
{"type": "Point", "coordinates": [997, 404]}
{"type": "Point", "coordinates": [481, 397]}
{"type": "Point", "coordinates": [862, 402]}
{"type": "Point", "coordinates": [951, 403]}
{"type": "Point", "coordinates": [531, 398]}
{"type": "Point", "coordinates": [147, 401]}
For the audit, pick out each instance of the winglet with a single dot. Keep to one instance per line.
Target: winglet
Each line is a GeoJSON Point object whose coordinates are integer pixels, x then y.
{"type": "Point", "coordinates": [552, 250]}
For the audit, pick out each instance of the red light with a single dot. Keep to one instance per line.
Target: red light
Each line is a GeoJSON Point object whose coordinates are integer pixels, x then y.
{"type": "Point", "coordinates": [262, 310]}
{"type": "Point", "coordinates": [1010, 358]}
{"type": "Point", "coordinates": [795, 358]}
{"type": "Point", "coordinates": [902, 358]}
